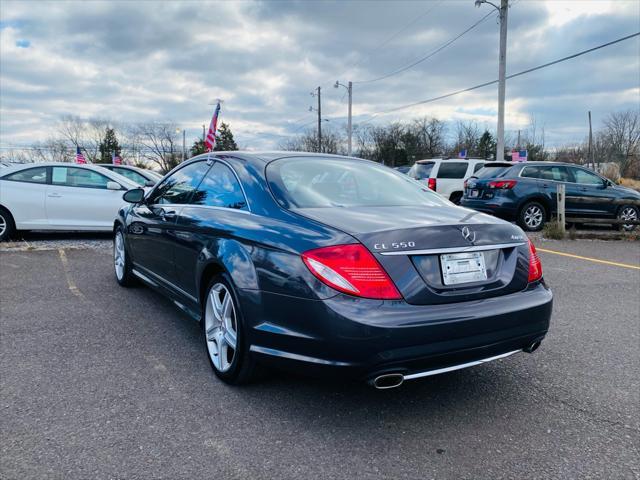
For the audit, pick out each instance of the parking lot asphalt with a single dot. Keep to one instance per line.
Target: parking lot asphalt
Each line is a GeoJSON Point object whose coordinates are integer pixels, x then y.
{"type": "Point", "coordinates": [103, 382]}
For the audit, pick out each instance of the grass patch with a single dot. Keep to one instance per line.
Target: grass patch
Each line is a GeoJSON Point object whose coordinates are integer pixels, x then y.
{"type": "Point", "coordinates": [631, 183]}
{"type": "Point", "coordinates": [552, 230]}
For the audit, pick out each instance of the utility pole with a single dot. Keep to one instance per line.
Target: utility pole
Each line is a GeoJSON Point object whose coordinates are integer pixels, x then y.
{"type": "Point", "coordinates": [184, 138]}
{"type": "Point", "coordinates": [349, 88]}
{"type": "Point", "coordinates": [203, 134]}
{"type": "Point", "coordinates": [319, 123]}
{"type": "Point", "coordinates": [503, 9]}
{"type": "Point", "coordinates": [502, 69]}
{"type": "Point", "coordinates": [518, 139]}
{"type": "Point", "coordinates": [590, 152]}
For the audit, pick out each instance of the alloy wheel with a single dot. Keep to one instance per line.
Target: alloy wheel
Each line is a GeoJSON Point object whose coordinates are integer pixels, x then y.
{"type": "Point", "coordinates": [533, 216]}
{"type": "Point", "coordinates": [3, 225]}
{"type": "Point", "coordinates": [221, 327]}
{"type": "Point", "coordinates": [119, 255]}
{"type": "Point", "coordinates": [628, 213]}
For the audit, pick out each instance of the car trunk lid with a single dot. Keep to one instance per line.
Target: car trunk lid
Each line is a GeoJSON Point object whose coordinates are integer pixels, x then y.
{"type": "Point", "coordinates": [411, 244]}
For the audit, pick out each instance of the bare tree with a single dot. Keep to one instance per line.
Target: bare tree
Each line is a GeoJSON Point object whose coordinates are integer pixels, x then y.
{"type": "Point", "coordinates": [621, 139]}
{"type": "Point", "coordinates": [159, 144]}
{"type": "Point", "coordinates": [84, 133]}
{"type": "Point", "coordinates": [332, 142]}
{"type": "Point", "coordinates": [431, 136]}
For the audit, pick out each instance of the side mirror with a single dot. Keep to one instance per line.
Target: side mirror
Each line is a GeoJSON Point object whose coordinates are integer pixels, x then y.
{"type": "Point", "coordinates": [149, 183]}
{"type": "Point", "coordinates": [135, 195]}
{"type": "Point", "coordinates": [113, 186]}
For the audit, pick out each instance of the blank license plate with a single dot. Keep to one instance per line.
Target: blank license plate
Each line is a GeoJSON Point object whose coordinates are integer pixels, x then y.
{"type": "Point", "coordinates": [473, 193]}
{"type": "Point", "coordinates": [463, 268]}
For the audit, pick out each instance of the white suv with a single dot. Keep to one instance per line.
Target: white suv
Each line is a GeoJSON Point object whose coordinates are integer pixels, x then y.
{"type": "Point", "coordinates": [446, 176]}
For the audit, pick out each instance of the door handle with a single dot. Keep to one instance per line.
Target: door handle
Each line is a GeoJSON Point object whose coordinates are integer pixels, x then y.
{"type": "Point", "coordinates": [54, 195]}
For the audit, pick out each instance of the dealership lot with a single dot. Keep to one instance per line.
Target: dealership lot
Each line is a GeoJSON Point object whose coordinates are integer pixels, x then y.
{"type": "Point", "coordinates": [103, 382]}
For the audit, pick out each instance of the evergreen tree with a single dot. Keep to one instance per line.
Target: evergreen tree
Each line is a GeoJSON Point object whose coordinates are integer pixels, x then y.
{"type": "Point", "coordinates": [224, 139]}
{"type": "Point", "coordinates": [108, 146]}
{"type": "Point", "coordinates": [487, 145]}
{"type": "Point", "coordinates": [198, 147]}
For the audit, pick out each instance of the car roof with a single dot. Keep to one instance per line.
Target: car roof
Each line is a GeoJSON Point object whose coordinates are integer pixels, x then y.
{"type": "Point", "coordinates": [112, 175]}
{"type": "Point", "coordinates": [450, 159]}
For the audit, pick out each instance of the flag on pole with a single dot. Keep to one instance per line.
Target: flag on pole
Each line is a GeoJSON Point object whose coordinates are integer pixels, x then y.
{"type": "Point", "coordinates": [115, 159]}
{"type": "Point", "coordinates": [79, 156]}
{"type": "Point", "coordinates": [210, 140]}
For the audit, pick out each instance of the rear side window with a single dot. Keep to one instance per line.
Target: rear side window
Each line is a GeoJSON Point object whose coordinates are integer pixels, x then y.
{"type": "Point", "coordinates": [30, 175]}
{"type": "Point", "coordinates": [478, 167]}
{"type": "Point", "coordinates": [452, 170]}
{"type": "Point", "coordinates": [492, 172]}
{"type": "Point", "coordinates": [530, 172]}
{"type": "Point", "coordinates": [554, 173]}
{"type": "Point", "coordinates": [131, 175]}
{"type": "Point", "coordinates": [421, 170]}
{"type": "Point", "coordinates": [178, 187]}
{"type": "Point", "coordinates": [78, 177]}
{"type": "Point", "coordinates": [220, 188]}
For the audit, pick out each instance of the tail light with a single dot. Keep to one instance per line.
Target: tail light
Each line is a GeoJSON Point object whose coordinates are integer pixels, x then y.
{"type": "Point", "coordinates": [502, 184]}
{"type": "Point", "coordinates": [465, 185]}
{"type": "Point", "coordinates": [351, 269]}
{"type": "Point", "coordinates": [535, 266]}
{"type": "Point", "coordinates": [431, 183]}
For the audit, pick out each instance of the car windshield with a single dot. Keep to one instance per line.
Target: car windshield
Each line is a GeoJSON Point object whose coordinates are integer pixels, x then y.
{"type": "Point", "coordinates": [492, 171]}
{"type": "Point", "coordinates": [421, 170]}
{"type": "Point", "coordinates": [308, 182]}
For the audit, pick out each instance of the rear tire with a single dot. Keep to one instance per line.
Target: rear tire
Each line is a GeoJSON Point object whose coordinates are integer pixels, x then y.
{"type": "Point", "coordinates": [121, 260]}
{"type": "Point", "coordinates": [532, 216]}
{"type": "Point", "coordinates": [628, 212]}
{"type": "Point", "coordinates": [455, 197]}
{"type": "Point", "coordinates": [223, 331]}
{"type": "Point", "coordinates": [7, 225]}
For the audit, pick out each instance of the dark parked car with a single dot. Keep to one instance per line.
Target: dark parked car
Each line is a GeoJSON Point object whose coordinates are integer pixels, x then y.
{"type": "Point", "coordinates": [331, 265]}
{"type": "Point", "coordinates": [527, 193]}
{"type": "Point", "coordinates": [142, 176]}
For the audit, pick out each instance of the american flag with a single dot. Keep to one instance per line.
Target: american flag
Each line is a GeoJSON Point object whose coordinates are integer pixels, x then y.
{"type": "Point", "coordinates": [115, 159]}
{"type": "Point", "coordinates": [79, 156]}
{"type": "Point", "coordinates": [210, 141]}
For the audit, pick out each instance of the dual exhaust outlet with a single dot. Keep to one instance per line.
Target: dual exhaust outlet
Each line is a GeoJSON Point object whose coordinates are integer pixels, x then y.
{"type": "Point", "coordinates": [394, 380]}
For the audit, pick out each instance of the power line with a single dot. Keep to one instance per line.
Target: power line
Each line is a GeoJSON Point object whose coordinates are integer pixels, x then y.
{"type": "Point", "coordinates": [486, 84]}
{"type": "Point", "coordinates": [429, 55]}
{"type": "Point", "coordinates": [397, 33]}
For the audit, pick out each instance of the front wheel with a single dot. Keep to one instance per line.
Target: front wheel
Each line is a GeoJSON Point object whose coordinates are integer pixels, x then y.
{"type": "Point", "coordinates": [121, 260]}
{"type": "Point", "coordinates": [225, 342]}
{"type": "Point", "coordinates": [532, 216]}
{"type": "Point", "coordinates": [628, 212]}
{"type": "Point", "coordinates": [7, 227]}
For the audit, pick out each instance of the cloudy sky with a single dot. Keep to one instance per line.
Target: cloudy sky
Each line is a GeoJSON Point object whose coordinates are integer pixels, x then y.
{"type": "Point", "coordinates": [166, 61]}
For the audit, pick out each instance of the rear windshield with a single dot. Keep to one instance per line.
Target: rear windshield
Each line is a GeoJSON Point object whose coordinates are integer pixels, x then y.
{"type": "Point", "coordinates": [452, 169]}
{"type": "Point", "coordinates": [308, 182]}
{"type": "Point", "coordinates": [421, 170]}
{"type": "Point", "coordinates": [492, 171]}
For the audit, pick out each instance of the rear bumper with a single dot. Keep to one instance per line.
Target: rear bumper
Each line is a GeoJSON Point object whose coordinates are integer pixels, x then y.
{"type": "Point", "coordinates": [359, 338]}
{"type": "Point", "coordinates": [500, 207]}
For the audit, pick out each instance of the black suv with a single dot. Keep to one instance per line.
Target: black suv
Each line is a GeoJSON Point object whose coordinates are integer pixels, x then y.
{"type": "Point", "coordinates": [526, 192]}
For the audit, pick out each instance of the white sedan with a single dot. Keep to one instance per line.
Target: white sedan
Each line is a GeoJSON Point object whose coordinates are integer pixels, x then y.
{"type": "Point", "coordinates": [59, 196]}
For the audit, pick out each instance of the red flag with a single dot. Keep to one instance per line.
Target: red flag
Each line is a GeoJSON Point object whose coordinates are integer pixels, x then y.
{"type": "Point", "coordinates": [115, 159]}
{"type": "Point", "coordinates": [210, 140]}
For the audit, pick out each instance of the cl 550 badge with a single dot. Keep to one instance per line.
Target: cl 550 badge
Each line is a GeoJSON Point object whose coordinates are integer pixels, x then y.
{"type": "Point", "coordinates": [394, 245]}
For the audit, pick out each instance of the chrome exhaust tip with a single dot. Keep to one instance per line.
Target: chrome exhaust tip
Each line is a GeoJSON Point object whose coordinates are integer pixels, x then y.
{"type": "Point", "coordinates": [387, 381]}
{"type": "Point", "coordinates": [533, 347]}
